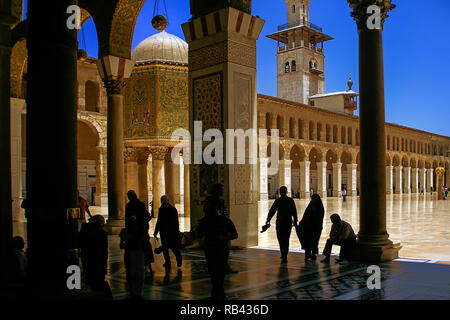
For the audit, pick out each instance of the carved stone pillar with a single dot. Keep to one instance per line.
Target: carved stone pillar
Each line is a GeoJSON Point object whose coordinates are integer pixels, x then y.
{"type": "Point", "coordinates": [187, 192]}
{"type": "Point", "coordinates": [440, 171]}
{"type": "Point", "coordinates": [263, 179]}
{"type": "Point", "coordinates": [407, 180]}
{"type": "Point", "coordinates": [337, 179]}
{"type": "Point", "coordinates": [304, 180]}
{"type": "Point", "coordinates": [114, 71]}
{"type": "Point", "coordinates": [222, 62]}
{"type": "Point", "coordinates": [170, 179]}
{"type": "Point", "coordinates": [415, 180]}
{"type": "Point", "coordinates": [131, 170]}
{"type": "Point", "coordinates": [398, 180]}
{"type": "Point", "coordinates": [101, 196]}
{"type": "Point", "coordinates": [159, 185]}
{"type": "Point", "coordinates": [389, 179]}
{"type": "Point", "coordinates": [142, 163]}
{"type": "Point", "coordinates": [373, 238]}
{"type": "Point", "coordinates": [322, 179]}
{"type": "Point", "coordinates": [284, 175]}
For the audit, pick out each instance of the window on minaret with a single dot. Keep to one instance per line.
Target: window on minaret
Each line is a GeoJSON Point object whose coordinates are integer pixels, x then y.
{"type": "Point", "coordinates": [287, 68]}
{"type": "Point", "coordinates": [294, 66]}
{"type": "Point", "coordinates": [293, 8]}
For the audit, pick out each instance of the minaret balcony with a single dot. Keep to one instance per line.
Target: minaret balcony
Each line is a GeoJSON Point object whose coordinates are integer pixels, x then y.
{"type": "Point", "coordinates": [299, 24]}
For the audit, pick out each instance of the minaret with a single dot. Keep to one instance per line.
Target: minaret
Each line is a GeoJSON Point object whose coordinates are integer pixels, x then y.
{"type": "Point", "coordinates": [300, 54]}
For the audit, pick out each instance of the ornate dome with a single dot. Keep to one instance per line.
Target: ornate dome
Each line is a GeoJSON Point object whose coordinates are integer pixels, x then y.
{"type": "Point", "coordinates": [162, 46]}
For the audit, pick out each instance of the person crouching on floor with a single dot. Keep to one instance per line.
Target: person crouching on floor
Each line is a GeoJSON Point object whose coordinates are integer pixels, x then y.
{"type": "Point", "coordinates": [341, 234]}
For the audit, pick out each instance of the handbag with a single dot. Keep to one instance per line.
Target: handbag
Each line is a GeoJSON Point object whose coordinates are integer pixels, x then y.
{"type": "Point", "coordinates": [159, 248]}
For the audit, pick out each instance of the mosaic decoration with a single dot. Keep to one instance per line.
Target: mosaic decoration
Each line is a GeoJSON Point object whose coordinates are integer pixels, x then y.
{"type": "Point", "coordinates": [122, 27]}
{"type": "Point", "coordinates": [19, 56]}
{"type": "Point", "coordinates": [140, 119]}
{"type": "Point", "coordinates": [208, 101]}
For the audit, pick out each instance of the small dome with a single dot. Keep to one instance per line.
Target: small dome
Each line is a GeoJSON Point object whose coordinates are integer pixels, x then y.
{"type": "Point", "coordinates": [162, 46]}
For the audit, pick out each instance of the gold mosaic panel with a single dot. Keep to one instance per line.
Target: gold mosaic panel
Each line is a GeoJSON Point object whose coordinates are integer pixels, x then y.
{"type": "Point", "coordinates": [208, 101]}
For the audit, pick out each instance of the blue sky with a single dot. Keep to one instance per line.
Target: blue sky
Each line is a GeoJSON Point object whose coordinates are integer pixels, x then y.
{"type": "Point", "coordinates": [416, 53]}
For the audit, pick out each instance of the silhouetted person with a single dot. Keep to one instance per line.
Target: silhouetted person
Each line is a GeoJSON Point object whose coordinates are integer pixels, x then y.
{"type": "Point", "coordinates": [217, 232]}
{"type": "Point", "coordinates": [216, 194]}
{"type": "Point", "coordinates": [84, 207]}
{"type": "Point", "coordinates": [286, 211]}
{"type": "Point", "coordinates": [311, 227]}
{"type": "Point", "coordinates": [168, 225]}
{"type": "Point", "coordinates": [341, 234]}
{"type": "Point", "coordinates": [19, 263]}
{"type": "Point", "coordinates": [94, 252]}
{"type": "Point", "coordinates": [136, 242]}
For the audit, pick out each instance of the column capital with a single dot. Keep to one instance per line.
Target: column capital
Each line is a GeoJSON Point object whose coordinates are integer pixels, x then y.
{"type": "Point", "coordinates": [337, 165]}
{"type": "Point", "coordinates": [142, 155]}
{"type": "Point", "coordinates": [305, 163]}
{"type": "Point", "coordinates": [360, 11]}
{"type": "Point", "coordinates": [114, 86]}
{"type": "Point", "coordinates": [158, 152]}
{"type": "Point", "coordinates": [130, 154]}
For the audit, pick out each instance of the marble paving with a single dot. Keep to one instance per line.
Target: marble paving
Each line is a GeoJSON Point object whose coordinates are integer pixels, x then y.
{"type": "Point", "coordinates": [262, 277]}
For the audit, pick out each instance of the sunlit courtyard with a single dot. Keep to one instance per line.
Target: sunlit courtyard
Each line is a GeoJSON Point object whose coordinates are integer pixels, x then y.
{"type": "Point", "coordinates": [419, 224]}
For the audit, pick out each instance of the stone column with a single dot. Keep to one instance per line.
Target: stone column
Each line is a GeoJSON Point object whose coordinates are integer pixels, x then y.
{"type": "Point", "coordinates": [263, 176]}
{"type": "Point", "coordinates": [398, 180]}
{"type": "Point", "coordinates": [131, 165]}
{"type": "Point", "coordinates": [415, 180]}
{"type": "Point", "coordinates": [429, 180]}
{"type": "Point", "coordinates": [422, 179]}
{"type": "Point", "coordinates": [52, 204]}
{"type": "Point", "coordinates": [186, 192]}
{"type": "Point", "coordinates": [322, 179]}
{"type": "Point", "coordinates": [406, 179]}
{"type": "Point", "coordinates": [101, 197]}
{"type": "Point", "coordinates": [337, 180]}
{"type": "Point", "coordinates": [284, 175]}
{"type": "Point", "coordinates": [170, 179]}
{"type": "Point", "coordinates": [159, 185]}
{"type": "Point", "coordinates": [304, 180]}
{"type": "Point", "coordinates": [142, 163]}
{"type": "Point", "coordinates": [373, 239]}
{"type": "Point", "coordinates": [6, 21]}
{"type": "Point", "coordinates": [352, 176]}
{"type": "Point", "coordinates": [18, 218]}
{"type": "Point", "coordinates": [114, 71]}
{"type": "Point", "coordinates": [389, 179]}
{"type": "Point", "coordinates": [222, 60]}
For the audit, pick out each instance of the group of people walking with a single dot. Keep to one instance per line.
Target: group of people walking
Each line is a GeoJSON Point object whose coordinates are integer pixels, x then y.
{"type": "Point", "coordinates": [309, 229]}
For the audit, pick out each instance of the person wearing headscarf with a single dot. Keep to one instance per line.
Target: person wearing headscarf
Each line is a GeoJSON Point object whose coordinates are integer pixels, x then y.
{"type": "Point", "coordinates": [311, 227]}
{"type": "Point", "coordinates": [169, 227]}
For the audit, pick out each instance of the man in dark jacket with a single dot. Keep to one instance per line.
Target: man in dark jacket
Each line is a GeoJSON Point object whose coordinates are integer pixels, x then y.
{"type": "Point", "coordinates": [217, 232]}
{"type": "Point", "coordinates": [286, 218]}
{"type": "Point", "coordinates": [169, 227]}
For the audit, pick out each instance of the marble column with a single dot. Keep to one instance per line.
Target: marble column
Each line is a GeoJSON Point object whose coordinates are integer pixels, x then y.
{"type": "Point", "coordinates": [158, 176]}
{"type": "Point", "coordinates": [6, 21]}
{"type": "Point", "coordinates": [322, 179]}
{"type": "Point", "coordinates": [114, 71]}
{"type": "Point", "coordinates": [304, 180]}
{"type": "Point", "coordinates": [398, 180]}
{"type": "Point", "coordinates": [373, 239]}
{"type": "Point", "coordinates": [263, 177]}
{"type": "Point", "coordinates": [142, 164]}
{"type": "Point", "coordinates": [186, 192]}
{"type": "Point", "coordinates": [429, 180]}
{"type": "Point", "coordinates": [131, 170]}
{"type": "Point", "coordinates": [170, 180]}
{"type": "Point", "coordinates": [229, 75]}
{"type": "Point", "coordinates": [51, 152]}
{"type": "Point", "coordinates": [18, 218]}
{"type": "Point", "coordinates": [284, 175]}
{"type": "Point", "coordinates": [415, 180]}
{"type": "Point", "coordinates": [406, 180]}
{"type": "Point", "coordinates": [422, 180]}
{"type": "Point", "coordinates": [440, 171]}
{"type": "Point", "coordinates": [101, 196]}
{"type": "Point", "coordinates": [337, 180]}
{"type": "Point", "coordinates": [352, 176]}
{"type": "Point", "coordinates": [389, 179]}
